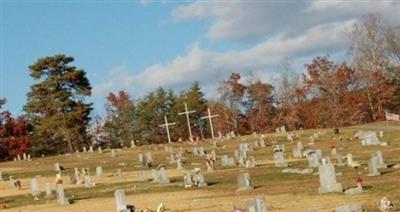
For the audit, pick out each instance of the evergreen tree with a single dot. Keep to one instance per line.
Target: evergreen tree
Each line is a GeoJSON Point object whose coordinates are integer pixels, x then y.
{"type": "Point", "coordinates": [195, 100]}
{"type": "Point", "coordinates": [56, 105]}
{"type": "Point", "coordinates": [150, 114]}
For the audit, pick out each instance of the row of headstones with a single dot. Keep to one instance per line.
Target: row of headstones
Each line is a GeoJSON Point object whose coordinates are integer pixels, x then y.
{"type": "Point", "coordinates": [35, 191]}
{"type": "Point", "coordinates": [26, 157]}
{"type": "Point", "coordinates": [84, 149]}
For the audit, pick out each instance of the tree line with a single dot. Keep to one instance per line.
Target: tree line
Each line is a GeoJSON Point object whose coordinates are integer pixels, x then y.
{"type": "Point", "coordinates": [57, 116]}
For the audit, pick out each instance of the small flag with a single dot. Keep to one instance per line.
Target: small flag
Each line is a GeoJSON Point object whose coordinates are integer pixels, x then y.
{"type": "Point", "coordinates": [392, 116]}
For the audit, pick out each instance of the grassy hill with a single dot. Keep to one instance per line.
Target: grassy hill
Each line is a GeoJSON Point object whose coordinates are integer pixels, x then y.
{"type": "Point", "coordinates": [283, 191]}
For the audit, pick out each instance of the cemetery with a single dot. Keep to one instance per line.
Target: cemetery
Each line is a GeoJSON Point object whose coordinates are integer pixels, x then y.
{"type": "Point", "coordinates": [124, 179]}
{"type": "Point", "coordinates": [199, 106]}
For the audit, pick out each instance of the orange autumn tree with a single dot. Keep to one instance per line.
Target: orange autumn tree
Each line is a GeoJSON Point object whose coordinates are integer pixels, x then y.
{"type": "Point", "coordinates": [13, 134]}
{"type": "Point", "coordinates": [330, 89]}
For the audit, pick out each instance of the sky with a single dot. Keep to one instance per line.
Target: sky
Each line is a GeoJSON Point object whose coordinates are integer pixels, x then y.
{"type": "Point", "coordinates": [138, 46]}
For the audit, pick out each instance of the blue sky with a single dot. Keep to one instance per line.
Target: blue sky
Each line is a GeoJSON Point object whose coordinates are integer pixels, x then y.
{"type": "Point", "coordinates": [138, 46]}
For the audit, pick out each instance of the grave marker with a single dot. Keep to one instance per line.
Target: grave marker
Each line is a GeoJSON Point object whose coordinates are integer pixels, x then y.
{"type": "Point", "coordinates": [244, 182]}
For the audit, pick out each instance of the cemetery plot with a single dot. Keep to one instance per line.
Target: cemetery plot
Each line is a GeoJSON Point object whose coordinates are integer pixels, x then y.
{"type": "Point", "coordinates": [273, 172]}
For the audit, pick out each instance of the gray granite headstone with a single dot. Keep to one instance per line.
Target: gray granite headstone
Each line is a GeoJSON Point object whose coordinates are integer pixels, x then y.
{"type": "Point", "coordinates": [327, 178]}
{"type": "Point", "coordinates": [61, 199]}
{"type": "Point", "coordinates": [244, 182]}
{"type": "Point", "coordinates": [373, 166]}
{"type": "Point", "coordinates": [256, 204]}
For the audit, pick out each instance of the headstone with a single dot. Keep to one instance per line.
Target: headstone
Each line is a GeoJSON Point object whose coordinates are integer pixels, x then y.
{"type": "Point", "coordinates": [90, 148]}
{"type": "Point", "coordinates": [187, 180]}
{"type": "Point", "coordinates": [24, 156]}
{"type": "Point", "coordinates": [133, 145]}
{"type": "Point", "coordinates": [350, 161]}
{"type": "Point", "coordinates": [356, 190]}
{"type": "Point", "coordinates": [311, 140]}
{"type": "Point", "coordinates": [148, 159]}
{"type": "Point", "coordinates": [256, 204]}
{"type": "Point", "coordinates": [113, 153]}
{"type": "Point", "coordinates": [84, 149]}
{"type": "Point", "coordinates": [198, 179]}
{"type": "Point", "coordinates": [120, 201]}
{"type": "Point", "coordinates": [279, 159]}
{"type": "Point", "coordinates": [381, 163]}
{"type": "Point", "coordinates": [296, 152]}
{"type": "Point", "coordinates": [161, 175]}
{"type": "Point", "coordinates": [179, 164]}
{"type": "Point", "coordinates": [13, 183]}
{"type": "Point", "coordinates": [313, 159]}
{"type": "Point", "coordinates": [99, 150]}
{"type": "Point", "coordinates": [369, 138]}
{"type": "Point", "coordinates": [327, 178]}
{"type": "Point", "coordinates": [283, 129]}
{"type": "Point", "coordinates": [61, 199]}
{"type": "Point", "coordinates": [49, 191]}
{"type": "Point", "coordinates": [141, 176]}
{"type": "Point", "coordinates": [35, 188]}
{"type": "Point", "coordinates": [29, 157]}
{"type": "Point", "coordinates": [352, 207]}
{"type": "Point", "coordinates": [373, 166]}
{"type": "Point", "coordinates": [57, 167]}
{"type": "Point", "coordinates": [88, 182]}
{"type": "Point", "coordinates": [251, 163]}
{"type": "Point", "coordinates": [244, 182]}
{"type": "Point", "coordinates": [99, 171]}
{"type": "Point", "coordinates": [385, 205]}
{"type": "Point", "coordinates": [19, 157]}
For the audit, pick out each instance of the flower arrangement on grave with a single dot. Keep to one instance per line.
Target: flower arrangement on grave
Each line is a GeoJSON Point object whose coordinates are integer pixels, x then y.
{"type": "Point", "coordinates": [332, 146]}
{"type": "Point", "coordinates": [359, 181]}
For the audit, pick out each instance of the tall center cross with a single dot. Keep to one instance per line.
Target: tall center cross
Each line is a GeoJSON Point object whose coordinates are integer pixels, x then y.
{"type": "Point", "coordinates": [209, 117]}
{"type": "Point", "coordinates": [187, 118]}
{"type": "Point", "coordinates": [166, 125]}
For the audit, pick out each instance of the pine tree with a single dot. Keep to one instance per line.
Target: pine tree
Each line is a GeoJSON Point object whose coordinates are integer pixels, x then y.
{"type": "Point", "coordinates": [195, 100]}
{"type": "Point", "coordinates": [56, 105]}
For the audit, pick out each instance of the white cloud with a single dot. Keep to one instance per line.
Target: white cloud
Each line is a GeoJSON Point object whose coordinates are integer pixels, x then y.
{"type": "Point", "coordinates": [207, 66]}
{"type": "Point", "coordinates": [299, 30]}
{"type": "Point", "coordinates": [241, 20]}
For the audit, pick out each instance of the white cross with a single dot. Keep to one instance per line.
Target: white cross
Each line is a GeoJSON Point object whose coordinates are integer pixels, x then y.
{"type": "Point", "coordinates": [187, 118]}
{"type": "Point", "coordinates": [209, 117]}
{"type": "Point", "coordinates": [166, 125]}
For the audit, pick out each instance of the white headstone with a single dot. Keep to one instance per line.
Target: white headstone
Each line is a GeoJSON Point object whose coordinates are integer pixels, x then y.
{"type": "Point", "coordinates": [99, 171]}
{"type": "Point", "coordinates": [35, 188]}
{"type": "Point", "coordinates": [120, 201]}
{"type": "Point", "coordinates": [57, 167]}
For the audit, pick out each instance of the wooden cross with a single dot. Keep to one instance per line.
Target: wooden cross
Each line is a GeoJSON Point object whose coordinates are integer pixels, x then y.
{"type": "Point", "coordinates": [166, 125]}
{"type": "Point", "coordinates": [187, 118]}
{"type": "Point", "coordinates": [209, 117]}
